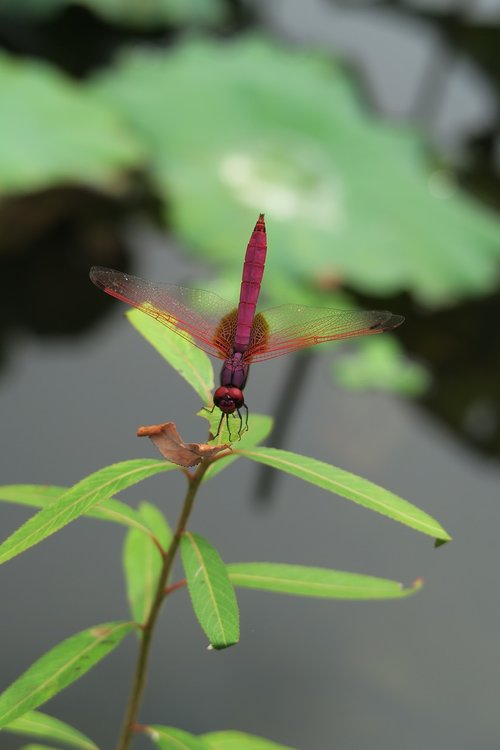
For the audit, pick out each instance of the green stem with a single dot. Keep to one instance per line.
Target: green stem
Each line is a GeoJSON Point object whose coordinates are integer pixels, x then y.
{"type": "Point", "coordinates": [139, 680]}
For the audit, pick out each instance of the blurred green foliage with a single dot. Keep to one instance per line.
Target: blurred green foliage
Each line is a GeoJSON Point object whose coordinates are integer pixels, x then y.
{"type": "Point", "coordinates": [377, 363]}
{"type": "Point", "coordinates": [224, 129]}
{"type": "Point", "coordinates": [143, 14]}
{"type": "Point", "coordinates": [230, 129]}
{"type": "Point", "coordinates": [237, 128]}
{"type": "Point", "coordinates": [53, 132]}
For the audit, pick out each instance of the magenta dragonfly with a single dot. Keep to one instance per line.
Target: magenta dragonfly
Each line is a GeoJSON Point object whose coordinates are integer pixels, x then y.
{"type": "Point", "coordinates": [236, 334]}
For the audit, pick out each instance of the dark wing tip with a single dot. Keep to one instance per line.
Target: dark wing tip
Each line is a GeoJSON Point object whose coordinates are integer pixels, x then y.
{"type": "Point", "coordinates": [97, 274]}
{"type": "Point", "coordinates": [107, 279]}
{"type": "Point", "coordinates": [388, 321]}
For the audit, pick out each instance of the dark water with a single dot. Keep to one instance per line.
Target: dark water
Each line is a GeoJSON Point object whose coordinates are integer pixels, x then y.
{"type": "Point", "coordinates": [422, 672]}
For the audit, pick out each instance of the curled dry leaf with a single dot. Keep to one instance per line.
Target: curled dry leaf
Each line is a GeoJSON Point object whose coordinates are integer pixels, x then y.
{"type": "Point", "coordinates": [173, 448]}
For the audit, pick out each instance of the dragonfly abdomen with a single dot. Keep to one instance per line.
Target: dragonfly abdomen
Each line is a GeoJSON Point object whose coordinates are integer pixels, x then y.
{"type": "Point", "coordinates": [253, 270]}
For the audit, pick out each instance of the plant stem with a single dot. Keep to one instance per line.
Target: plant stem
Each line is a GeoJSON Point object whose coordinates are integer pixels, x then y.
{"type": "Point", "coordinates": [160, 593]}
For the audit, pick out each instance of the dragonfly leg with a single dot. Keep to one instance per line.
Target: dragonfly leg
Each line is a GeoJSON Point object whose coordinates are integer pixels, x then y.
{"type": "Point", "coordinates": [220, 424]}
{"type": "Point", "coordinates": [241, 423]}
{"type": "Point", "coordinates": [246, 418]}
{"type": "Point", "coordinates": [228, 425]}
{"type": "Point", "coordinates": [241, 428]}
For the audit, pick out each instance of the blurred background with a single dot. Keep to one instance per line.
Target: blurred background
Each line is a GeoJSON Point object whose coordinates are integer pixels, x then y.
{"type": "Point", "coordinates": [147, 136]}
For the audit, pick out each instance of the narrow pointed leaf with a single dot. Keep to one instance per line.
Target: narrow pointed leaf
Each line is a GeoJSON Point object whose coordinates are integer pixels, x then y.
{"type": "Point", "coordinates": [318, 582]}
{"type": "Point", "coordinates": [38, 747]}
{"type": "Point", "coordinates": [240, 741]}
{"type": "Point", "coordinates": [350, 486]}
{"type": "Point", "coordinates": [143, 562]}
{"type": "Point", "coordinates": [259, 427]}
{"type": "Point", "coordinates": [171, 738]}
{"type": "Point", "coordinates": [41, 495]}
{"type": "Point", "coordinates": [190, 362]}
{"type": "Point", "coordinates": [117, 512]}
{"type": "Point", "coordinates": [211, 592]}
{"type": "Point", "coordinates": [59, 667]}
{"type": "Point", "coordinates": [156, 522]}
{"type": "Point", "coordinates": [41, 725]}
{"type": "Point", "coordinates": [78, 500]}
{"type": "Point", "coordinates": [32, 495]}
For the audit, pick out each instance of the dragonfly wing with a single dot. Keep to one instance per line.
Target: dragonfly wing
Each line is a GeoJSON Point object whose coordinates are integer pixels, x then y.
{"type": "Point", "coordinates": [197, 315]}
{"type": "Point", "coordinates": [288, 328]}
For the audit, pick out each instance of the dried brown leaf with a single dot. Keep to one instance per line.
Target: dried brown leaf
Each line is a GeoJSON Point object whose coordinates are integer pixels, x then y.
{"type": "Point", "coordinates": [172, 447]}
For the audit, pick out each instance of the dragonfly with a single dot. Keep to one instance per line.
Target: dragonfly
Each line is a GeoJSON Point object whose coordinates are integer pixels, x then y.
{"type": "Point", "coordinates": [239, 335]}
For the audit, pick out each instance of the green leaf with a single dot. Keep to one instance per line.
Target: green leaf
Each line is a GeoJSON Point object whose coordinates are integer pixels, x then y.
{"type": "Point", "coordinates": [151, 15]}
{"type": "Point", "coordinates": [311, 157]}
{"type": "Point", "coordinates": [78, 500]}
{"type": "Point", "coordinates": [170, 738]}
{"type": "Point", "coordinates": [350, 486]}
{"type": "Point", "coordinates": [40, 495]}
{"type": "Point", "coordinates": [156, 523]}
{"type": "Point", "coordinates": [53, 132]}
{"type": "Point", "coordinates": [378, 363]}
{"type": "Point", "coordinates": [32, 495]}
{"type": "Point", "coordinates": [240, 741]}
{"type": "Point", "coordinates": [190, 362]}
{"type": "Point", "coordinates": [259, 428]}
{"type": "Point", "coordinates": [143, 562]}
{"type": "Point", "coordinates": [211, 592]}
{"type": "Point", "coordinates": [43, 726]}
{"type": "Point", "coordinates": [59, 667]}
{"type": "Point", "coordinates": [231, 429]}
{"type": "Point", "coordinates": [37, 747]}
{"type": "Point", "coordinates": [317, 582]}
{"type": "Point", "coordinates": [118, 512]}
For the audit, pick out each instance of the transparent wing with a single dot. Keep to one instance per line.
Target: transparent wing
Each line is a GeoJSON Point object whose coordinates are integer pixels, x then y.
{"type": "Point", "coordinates": [201, 316]}
{"type": "Point", "coordinates": [288, 328]}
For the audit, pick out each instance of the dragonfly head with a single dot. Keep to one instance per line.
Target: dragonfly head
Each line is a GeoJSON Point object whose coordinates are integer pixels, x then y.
{"type": "Point", "coordinates": [228, 399]}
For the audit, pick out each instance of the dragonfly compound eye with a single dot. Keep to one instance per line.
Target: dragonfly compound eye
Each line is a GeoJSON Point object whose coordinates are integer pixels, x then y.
{"type": "Point", "coordinates": [228, 399]}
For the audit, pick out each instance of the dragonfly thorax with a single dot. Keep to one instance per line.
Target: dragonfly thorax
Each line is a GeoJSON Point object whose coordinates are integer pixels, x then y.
{"type": "Point", "coordinates": [228, 399]}
{"type": "Point", "coordinates": [234, 371]}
